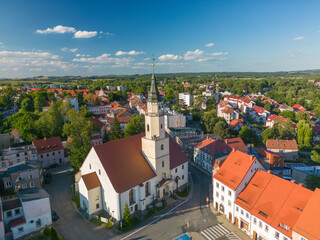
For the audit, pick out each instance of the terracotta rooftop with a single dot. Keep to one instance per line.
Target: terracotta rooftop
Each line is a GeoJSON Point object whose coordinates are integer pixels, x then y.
{"type": "Point", "coordinates": [274, 200]}
{"type": "Point", "coordinates": [234, 169]}
{"type": "Point", "coordinates": [228, 110]}
{"type": "Point", "coordinates": [46, 145]}
{"type": "Point", "coordinates": [308, 222]}
{"type": "Point", "coordinates": [235, 123]}
{"type": "Point", "coordinates": [204, 143]}
{"type": "Point", "coordinates": [282, 144]}
{"type": "Point", "coordinates": [91, 180]}
{"type": "Point", "coordinates": [258, 109]}
{"type": "Point", "coordinates": [237, 144]}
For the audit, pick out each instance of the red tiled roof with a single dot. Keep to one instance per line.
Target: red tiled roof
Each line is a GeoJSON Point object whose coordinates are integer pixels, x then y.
{"type": "Point", "coordinates": [91, 180]}
{"type": "Point", "coordinates": [204, 143]}
{"type": "Point", "coordinates": [129, 168]}
{"type": "Point", "coordinates": [274, 200]}
{"type": "Point", "coordinates": [228, 110]}
{"type": "Point", "coordinates": [258, 109]}
{"type": "Point", "coordinates": [120, 119]}
{"type": "Point", "coordinates": [275, 117]}
{"type": "Point", "coordinates": [234, 169]}
{"type": "Point", "coordinates": [282, 144]}
{"type": "Point", "coordinates": [17, 222]}
{"type": "Point", "coordinates": [298, 106]}
{"type": "Point", "coordinates": [235, 123]}
{"type": "Point", "coordinates": [237, 144]}
{"type": "Point", "coordinates": [308, 222]}
{"type": "Point", "coordinates": [48, 145]}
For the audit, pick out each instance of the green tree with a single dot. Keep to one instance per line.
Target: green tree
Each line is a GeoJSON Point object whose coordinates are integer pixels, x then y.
{"type": "Point", "coordinates": [312, 181]}
{"type": "Point", "coordinates": [269, 133]}
{"type": "Point", "coordinates": [27, 105]}
{"type": "Point", "coordinates": [116, 130]}
{"type": "Point", "coordinates": [79, 129]}
{"type": "Point", "coordinates": [221, 129]}
{"type": "Point", "coordinates": [39, 101]}
{"type": "Point", "coordinates": [248, 136]}
{"type": "Point", "coordinates": [209, 120]}
{"type": "Point", "coordinates": [199, 102]}
{"type": "Point", "coordinates": [127, 220]}
{"type": "Point", "coordinates": [300, 116]}
{"type": "Point", "coordinates": [54, 234]}
{"type": "Point", "coordinates": [211, 103]}
{"type": "Point", "coordinates": [135, 126]}
{"type": "Point", "coordinates": [288, 114]}
{"type": "Point", "coordinates": [80, 98]}
{"type": "Point", "coordinates": [304, 134]}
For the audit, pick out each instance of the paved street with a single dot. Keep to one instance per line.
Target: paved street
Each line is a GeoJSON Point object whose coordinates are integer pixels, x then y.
{"type": "Point", "coordinates": [167, 224]}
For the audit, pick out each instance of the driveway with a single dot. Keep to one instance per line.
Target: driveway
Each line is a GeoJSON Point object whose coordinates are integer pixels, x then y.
{"type": "Point", "coordinates": [70, 224]}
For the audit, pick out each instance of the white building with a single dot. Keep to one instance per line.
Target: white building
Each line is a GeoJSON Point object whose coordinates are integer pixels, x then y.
{"type": "Point", "coordinates": [187, 98]}
{"type": "Point", "coordinates": [99, 109]}
{"type": "Point", "coordinates": [121, 88]}
{"type": "Point", "coordinates": [259, 114]}
{"type": "Point", "coordinates": [136, 170]}
{"type": "Point", "coordinates": [176, 120]}
{"type": "Point", "coordinates": [12, 156]}
{"type": "Point", "coordinates": [231, 179]}
{"type": "Point", "coordinates": [227, 112]}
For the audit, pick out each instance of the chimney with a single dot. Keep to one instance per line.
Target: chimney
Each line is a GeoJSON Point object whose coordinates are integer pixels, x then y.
{"type": "Point", "coordinates": [269, 171]}
{"type": "Point", "coordinates": [300, 184]}
{"type": "Point", "coordinates": [233, 149]}
{"type": "Point", "coordinates": [45, 138]}
{"type": "Point", "coordinates": [292, 180]}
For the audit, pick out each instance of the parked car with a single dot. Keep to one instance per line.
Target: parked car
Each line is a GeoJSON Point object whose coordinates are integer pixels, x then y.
{"type": "Point", "coordinates": [69, 172]}
{"type": "Point", "coordinates": [54, 165]}
{"type": "Point", "coordinates": [54, 216]}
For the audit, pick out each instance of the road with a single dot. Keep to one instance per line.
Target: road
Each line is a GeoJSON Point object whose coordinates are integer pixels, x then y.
{"type": "Point", "coordinates": [173, 220]}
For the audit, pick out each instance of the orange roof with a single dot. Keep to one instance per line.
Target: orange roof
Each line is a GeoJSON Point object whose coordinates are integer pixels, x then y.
{"type": "Point", "coordinates": [91, 180]}
{"type": "Point", "coordinates": [276, 201]}
{"type": "Point", "coordinates": [237, 144]}
{"type": "Point", "coordinates": [46, 145]}
{"type": "Point", "coordinates": [228, 110]}
{"type": "Point", "coordinates": [308, 222]}
{"type": "Point", "coordinates": [282, 144]}
{"type": "Point", "coordinates": [234, 169]}
{"type": "Point", "coordinates": [204, 143]}
{"type": "Point", "coordinates": [235, 122]}
{"type": "Point", "coordinates": [258, 109]}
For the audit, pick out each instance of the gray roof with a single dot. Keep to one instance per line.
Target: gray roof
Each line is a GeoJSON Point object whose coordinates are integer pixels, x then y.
{"type": "Point", "coordinates": [24, 166]}
{"type": "Point", "coordinates": [34, 193]}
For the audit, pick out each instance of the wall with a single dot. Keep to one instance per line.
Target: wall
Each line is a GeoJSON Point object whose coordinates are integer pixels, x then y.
{"type": "Point", "coordinates": [299, 176]}
{"type": "Point", "coordinates": [94, 199]}
{"type": "Point", "coordinates": [52, 158]}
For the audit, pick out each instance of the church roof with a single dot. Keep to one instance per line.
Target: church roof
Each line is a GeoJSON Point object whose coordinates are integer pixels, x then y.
{"type": "Point", "coordinates": [153, 93]}
{"type": "Point", "coordinates": [126, 166]}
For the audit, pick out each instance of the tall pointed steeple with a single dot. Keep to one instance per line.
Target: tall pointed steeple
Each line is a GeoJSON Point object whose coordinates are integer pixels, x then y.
{"type": "Point", "coordinates": [153, 95]}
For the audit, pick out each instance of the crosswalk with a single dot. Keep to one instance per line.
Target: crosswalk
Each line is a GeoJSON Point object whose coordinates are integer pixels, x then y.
{"type": "Point", "coordinates": [218, 231]}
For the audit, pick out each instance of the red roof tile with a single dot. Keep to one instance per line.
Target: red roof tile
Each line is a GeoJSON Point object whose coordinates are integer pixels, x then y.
{"type": "Point", "coordinates": [177, 157]}
{"type": "Point", "coordinates": [258, 109]}
{"type": "Point", "coordinates": [237, 144]}
{"type": "Point", "coordinates": [234, 169]}
{"type": "Point", "coordinates": [282, 144]}
{"type": "Point", "coordinates": [235, 123]}
{"type": "Point", "coordinates": [17, 222]}
{"type": "Point", "coordinates": [46, 145]}
{"type": "Point", "coordinates": [91, 180]}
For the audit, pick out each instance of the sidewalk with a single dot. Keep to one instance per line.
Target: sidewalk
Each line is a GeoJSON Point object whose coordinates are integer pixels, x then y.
{"type": "Point", "coordinates": [226, 223]}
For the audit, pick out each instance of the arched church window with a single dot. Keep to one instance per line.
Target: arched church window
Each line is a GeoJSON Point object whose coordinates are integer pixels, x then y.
{"type": "Point", "coordinates": [161, 146]}
{"type": "Point", "coordinates": [131, 198]}
{"type": "Point", "coordinates": [147, 192]}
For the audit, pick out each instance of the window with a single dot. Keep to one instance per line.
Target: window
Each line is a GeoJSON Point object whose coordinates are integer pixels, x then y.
{"type": "Point", "coordinates": [247, 215]}
{"type": "Point", "coordinates": [277, 235]}
{"type": "Point", "coordinates": [147, 189]}
{"type": "Point", "coordinates": [9, 214]}
{"type": "Point", "coordinates": [229, 192]}
{"type": "Point", "coordinates": [131, 197]}
{"type": "Point", "coordinates": [17, 211]}
{"type": "Point", "coordinates": [284, 238]}
{"type": "Point", "coordinates": [182, 177]}
{"type": "Point", "coordinates": [222, 188]}
{"type": "Point", "coordinates": [38, 223]}
{"type": "Point", "coordinates": [30, 176]}
{"type": "Point", "coordinates": [254, 221]}
{"type": "Point", "coordinates": [53, 153]}
{"type": "Point", "coordinates": [97, 206]}
{"type": "Point", "coordinates": [99, 172]}
{"type": "Point", "coordinates": [47, 154]}
{"type": "Point", "coordinates": [241, 212]}
{"type": "Point", "coordinates": [24, 186]}
{"type": "Point", "coordinates": [41, 156]}
{"type": "Point", "coordinates": [161, 126]}
{"type": "Point", "coordinates": [18, 155]}
{"type": "Point", "coordinates": [3, 164]}
{"type": "Point", "coordinates": [222, 198]}
{"type": "Point", "coordinates": [182, 166]}
{"type": "Point", "coordinates": [217, 194]}
{"type": "Point", "coordinates": [217, 185]}
{"type": "Point", "coordinates": [266, 228]}
{"type": "Point", "coordinates": [161, 146]}
{"type": "Point", "coordinates": [20, 229]}
{"type": "Point", "coordinates": [90, 166]}
{"type": "Point", "coordinates": [148, 127]}
{"type": "Point", "coordinates": [176, 170]}
{"type": "Point", "coordinates": [162, 163]}
{"type": "Point", "coordinates": [8, 183]}
{"type": "Point", "coordinates": [229, 203]}
{"type": "Point", "coordinates": [237, 209]}
{"type": "Point", "coordinates": [32, 184]}
{"type": "Point", "coordinates": [260, 224]}
{"type": "Point", "coordinates": [59, 152]}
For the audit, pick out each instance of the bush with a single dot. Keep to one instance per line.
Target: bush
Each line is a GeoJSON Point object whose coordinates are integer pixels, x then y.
{"type": "Point", "coordinates": [54, 234]}
{"type": "Point", "coordinates": [184, 193]}
{"type": "Point", "coordinates": [47, 231]}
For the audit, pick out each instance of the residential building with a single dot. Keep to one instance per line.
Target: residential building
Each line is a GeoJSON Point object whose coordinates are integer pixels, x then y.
{"type": "Point", "coordinates": [228, 113]}
{"type": "Point", "coordinates": [229, 181]}
{"type": "Point", "coordinates": [50, 151]}
{"type": "Point", "coordinates": [301, 171]}
{"type": "Point", "coordinates": [24, 175]}
{"type": "Point", "coordinates": [275, 118]}
{"type": "Point", "coordinates": [12, 156]}
{"type": "Point", "coordinates": [272, 161]}
{"type": "Point", "coordinates": [298, 107]}
{"type": "Point", "coordinates": [242, 103]}
{"type": "Point", "coordinates": [259, 114]}
{"type": "Point", "coordinates": [285, 107]}
{"type": "Point", "coordinates": [174, 120]}
{"type": "Point", "coordinates": [99, 109]}
{"type": "Point", "coordinates": [136, 170]}
{"type": "Point", "coordinates": [121, 88]}
{"type": "Point", "coordinates": [100, 125]}
{"type": "Point", "coordinates": [187, 98]}
{"type": "Point", "coordinates": [286, 148]}
{"type": "Point", "coordinates": [236, 124]}
{"type": "Point", "coordinates": [210, 152]}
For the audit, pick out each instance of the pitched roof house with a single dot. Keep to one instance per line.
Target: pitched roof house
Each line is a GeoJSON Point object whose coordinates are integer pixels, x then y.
{"type": "Point", "coordinates": [286, 148]}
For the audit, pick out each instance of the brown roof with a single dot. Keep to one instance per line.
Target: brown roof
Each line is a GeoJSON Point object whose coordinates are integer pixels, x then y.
{"type": "Point", "coordinates": [282, 144]}
{"type": "Point", "coordinates": [237, 144]}
{"type": "Point", "coordinates": [17, 222]}
{"type": "Point", "coordinates": [91, 180]}
{"type": "Point", "coordinates": [97, 121]}
{"type": "Point", "coordinates": [228, 110]}
{"type": "Point", "coordinates": [48, 145]}
{"type": "Point", "coordinates": [125, 165]}
{"type": "Point", "coordinates": [308, 222]}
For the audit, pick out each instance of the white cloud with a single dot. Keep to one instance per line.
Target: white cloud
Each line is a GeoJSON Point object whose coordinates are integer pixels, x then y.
{"type": "Point", "coordinates": [147, 59]}
{"type": "Point", "coordinates": [85, 34]}
{"type": "Point", "coordinates": [192, 55]}
{"type": "Point", "coordinates": [133, 52]}
{"type": "Point", "coordinates": [168, 57]}
{"type": "Point", "coordinates": [218, 53]}
{"type": "Point", "coordinates": [209, 44]}
{"type": "Point", "coordinates": [65, 49]}
{"type": "Point", "coordinates": [57, 29]}
{"type": "Point", "coordinates": [104, 59]}
{"type": "Point", "coordinates": [298, 38]}
{"type": "Point", "coordinates": [204, 59]}
{"type": "Point", "coordinates": [291, 56]}
{"type": "Point", "coordinates": [82, 55]}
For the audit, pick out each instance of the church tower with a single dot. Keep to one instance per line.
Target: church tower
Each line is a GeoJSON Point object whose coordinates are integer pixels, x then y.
{"type": "Point", "coordinates": [155, 144]}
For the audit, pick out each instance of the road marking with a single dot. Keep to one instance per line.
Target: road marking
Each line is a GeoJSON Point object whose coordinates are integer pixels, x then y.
{"type": "Point", "coordinates": [216, 231]}
{"type": "Point", "coordinates": [232, 236]}
{"type": "Point", "coordinates": [155, 220]}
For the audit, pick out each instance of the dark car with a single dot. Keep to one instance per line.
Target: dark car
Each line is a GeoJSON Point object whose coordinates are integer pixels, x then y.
{"type": "Point", "coordinates": [54, 165]}
{"type": "Point", "coordinates": [54, 216]}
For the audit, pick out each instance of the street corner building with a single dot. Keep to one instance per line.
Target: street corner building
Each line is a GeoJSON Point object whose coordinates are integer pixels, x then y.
{"type": "Point", "coordinates": [137, 170]}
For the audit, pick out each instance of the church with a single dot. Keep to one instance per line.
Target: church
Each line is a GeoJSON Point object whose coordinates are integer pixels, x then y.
{"type": "Point", "coordinates": [136, 170]}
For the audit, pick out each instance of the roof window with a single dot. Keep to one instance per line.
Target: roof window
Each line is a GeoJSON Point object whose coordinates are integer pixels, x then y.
{"type": "Point", "coordinates": [263, 214]}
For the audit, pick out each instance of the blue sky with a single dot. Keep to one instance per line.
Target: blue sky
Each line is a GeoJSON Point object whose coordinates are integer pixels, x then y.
{"type": "Point", "coordinates": [74, 37]}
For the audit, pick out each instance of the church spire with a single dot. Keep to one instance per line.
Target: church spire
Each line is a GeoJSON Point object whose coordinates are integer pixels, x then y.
{"type": "Point", "coordinates": [153, 93]}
